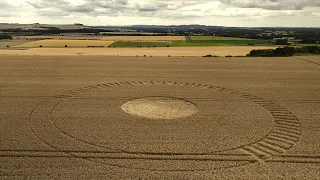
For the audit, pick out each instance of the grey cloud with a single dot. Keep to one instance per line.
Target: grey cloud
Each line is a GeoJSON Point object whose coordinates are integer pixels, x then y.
{"type": "Point", "coordinates": [147, 9]}
{"type": "Point", "coordinates": [273, 4]}
{"type": "Point", "coordinates": [111, 6]}
{"type": "Point", "coordinates": [53, 13]}
{"type": "Point", "coordinates": [89, 7]}
{"type": "Point", "coordinates": [80, 9]}
{"type": "Point", "coordinates": [169, 9]}
{"type": "Point", "coordinates": [42, 4]}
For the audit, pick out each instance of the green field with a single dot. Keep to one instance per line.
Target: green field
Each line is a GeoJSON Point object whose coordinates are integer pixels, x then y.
{"type": "Point", "coordinates": [171, 44]}
{"type": "Point", "coordinates": [234, 42]}
{"type": "Point", "coordinates": [225, 41]}
{"type": "Point", "coordinates": [197, 41]}
{"type": "Point", "coordinates": [306, 45]}
{"type": "Point", "coordinates": [212, 38]}
{"type": "Point", "coordinates": [195, 44]}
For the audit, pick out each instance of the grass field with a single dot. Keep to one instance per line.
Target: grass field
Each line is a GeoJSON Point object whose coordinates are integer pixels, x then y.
{"type": "Point", "coordinates": [234, 42]}
{"type": "Point", "coordinates": [62, 43]}
{"type": "Point", "coordinates": [306, 45]}
{"type": "Point", "coordinates": [211, 38]}
{"type": "Point", "coordinates": [190, 44]}
{"type": "Point", "coordinates": [196, 44]}
{"type": "Point", "coordinates": [225, 41]}
{"type": "Point", "coordinates": [144, 38]}
{"type": "Point", "coordinates": [164, 44]}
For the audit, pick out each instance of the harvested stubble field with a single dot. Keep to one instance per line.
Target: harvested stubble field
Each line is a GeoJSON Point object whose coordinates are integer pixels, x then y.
{"type": "Point", "coordinates": [97, 117]}
{"type": "Point", "coordinates": [144, 38]}
{"type": "Point", "coordinates": [69, 37]}
{"type": "Point", "coordinates": [159, 51]}
{"type": "Point", "coordinates": [62, 43]}
{"type": "Point", "coordinates": [140, 43]}
{"type": "Point", "coordinates": [10, 43]}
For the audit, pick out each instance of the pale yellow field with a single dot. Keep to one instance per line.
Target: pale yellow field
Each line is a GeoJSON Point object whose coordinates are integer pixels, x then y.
{"type": "Point", "coordinates": [160, 52]}
{"type": "Point", "coordinates": [10, 43]}
{"type": "Point", "coordinates": [145, 38]}
{"type": "Point", "coordinates": [77, 37]}
{"type": "Point", "coordinates": [62, 43]}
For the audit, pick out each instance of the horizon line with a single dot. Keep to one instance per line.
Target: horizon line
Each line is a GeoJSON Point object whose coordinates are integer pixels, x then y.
{"type": "Point", "coordinates": [163, 25]}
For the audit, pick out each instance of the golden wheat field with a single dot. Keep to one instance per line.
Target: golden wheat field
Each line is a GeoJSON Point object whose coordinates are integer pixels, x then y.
{"type": "Point", "coordinates": [160, 52]}
{"type": "Point", "coordinates": [103, 117]}
{"type": "Point", "coordinates": [145, 38]}
{"type": "Point", "coordinates": [62, 43]}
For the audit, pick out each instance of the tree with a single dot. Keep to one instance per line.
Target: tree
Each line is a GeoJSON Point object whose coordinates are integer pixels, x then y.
{"type": "Point", "coordinates": [5, 36]}
{"type": "Point", "coordinates": [286, 51]}
{"type": "Point", "coordinates": [282, 42]}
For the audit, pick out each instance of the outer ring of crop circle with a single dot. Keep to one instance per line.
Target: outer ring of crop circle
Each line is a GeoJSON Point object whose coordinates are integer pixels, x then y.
{"type": "Point", "coordinates": [164, 83]}
{"type": "Point", "coordinates": [244, 95]}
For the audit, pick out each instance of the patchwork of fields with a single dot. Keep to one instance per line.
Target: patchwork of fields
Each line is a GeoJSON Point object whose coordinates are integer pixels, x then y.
{"type": "Point", "coordinates": [190, 44]}
{"type": "Point", "coordinates": [141, 46]}
{"type": "Point", "coordinates": [139, 41]}
{"type": "Point", "coordinates": [189, 41]}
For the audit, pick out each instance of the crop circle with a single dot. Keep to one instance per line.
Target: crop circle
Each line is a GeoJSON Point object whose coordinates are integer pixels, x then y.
{"type": "Point", "coordinates": [160, 108]}
{"type": "Point", "coordinates": [251, 129]}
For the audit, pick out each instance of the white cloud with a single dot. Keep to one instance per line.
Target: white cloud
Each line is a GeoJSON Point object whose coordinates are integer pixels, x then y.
{"type": "Point", "coordinates": [126, 12]}
{"type": "Point", "coordinates": [273, 4]}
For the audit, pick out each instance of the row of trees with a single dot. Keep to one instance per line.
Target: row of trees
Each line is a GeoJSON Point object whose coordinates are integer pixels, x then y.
{"type": "Point", "coordinates": [285, 51]}
{"type": "Point", "coordinates": [5, 36]}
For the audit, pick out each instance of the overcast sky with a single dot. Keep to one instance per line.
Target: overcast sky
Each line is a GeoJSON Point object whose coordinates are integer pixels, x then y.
{"type": "Point", "coordinates": [291, 13]}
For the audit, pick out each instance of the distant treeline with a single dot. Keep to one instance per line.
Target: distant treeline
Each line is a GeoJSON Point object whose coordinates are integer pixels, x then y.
{"type": "Point", "coordinates": [285, 51]}
{"type": "Point", "coordinates": [51, 30]}
{"type": "Point", "coordinates": [303, 35]}
{"type": "Point", "coordinates": [5, 36]}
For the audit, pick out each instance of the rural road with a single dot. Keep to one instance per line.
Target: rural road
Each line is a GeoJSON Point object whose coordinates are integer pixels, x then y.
{"type": "Point", "coordinates": [66, 117]}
